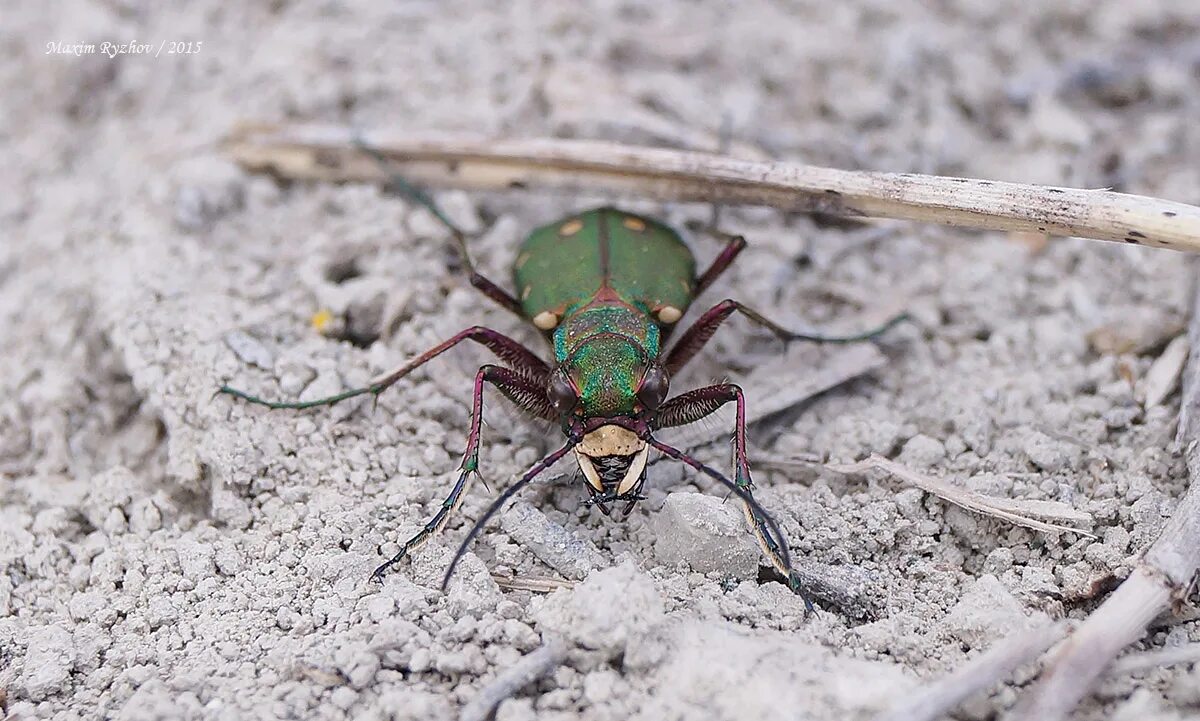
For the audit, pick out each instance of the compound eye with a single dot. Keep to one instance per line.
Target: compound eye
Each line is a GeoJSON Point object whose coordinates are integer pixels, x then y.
{"type": "Point", "coordinates": [654, 388]}
{"type": "Point", "coordinates": [561, 393]}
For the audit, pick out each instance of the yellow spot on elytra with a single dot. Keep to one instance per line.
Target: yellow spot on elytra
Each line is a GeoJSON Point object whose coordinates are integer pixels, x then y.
{"type": "Point", "coordinates": [571, 227]}
{"type": "Point", "coordinates": [522, 259]}
{"type": "Point", "coordinates": [321, 319]}
{"type": "Point", "coordinates": [636, 224]}
{"type": "Point", "coordinates": [545, 320]}
{"type": "Point", "coordinates": [669, 314]}
{"type": "Point", "coordinates": [687, 287]}
{"type": "Point", "coordinates": [525, 293]}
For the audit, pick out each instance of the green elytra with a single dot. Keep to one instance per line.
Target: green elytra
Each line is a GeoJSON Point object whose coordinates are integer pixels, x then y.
{"type": "Point", "coordinates": [606, 288]}
{"type": "Point", "coordinates": [605, 277]}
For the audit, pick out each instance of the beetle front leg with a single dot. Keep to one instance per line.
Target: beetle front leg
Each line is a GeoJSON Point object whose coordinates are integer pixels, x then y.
{"type": "Point", "coordinates": [528, 396]}
{"type": "Point", "coordinates": [696, 404]}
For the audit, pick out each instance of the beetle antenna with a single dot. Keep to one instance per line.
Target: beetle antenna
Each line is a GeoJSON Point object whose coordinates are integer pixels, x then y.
{"type": "Point", "coordinates": [399, 184]}
{"type": "Point", "coordinates": [742, 493]}
{"type": "Point", "coordinates": [503, 498]}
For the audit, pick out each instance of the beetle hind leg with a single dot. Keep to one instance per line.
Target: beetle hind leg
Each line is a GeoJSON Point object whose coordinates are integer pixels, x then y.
{"type": "Point", "coordinates": [399, 185]}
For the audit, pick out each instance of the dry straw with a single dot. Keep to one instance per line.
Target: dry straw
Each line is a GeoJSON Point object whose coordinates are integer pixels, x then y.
{"type": "Point", "coordinates": [322, 152]}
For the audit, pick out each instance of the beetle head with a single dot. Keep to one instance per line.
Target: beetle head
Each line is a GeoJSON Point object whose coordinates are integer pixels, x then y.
{"type": "Point", "coordinates": [609, 378]}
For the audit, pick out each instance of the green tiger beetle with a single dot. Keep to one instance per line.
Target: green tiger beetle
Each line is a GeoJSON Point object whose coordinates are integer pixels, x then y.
{"type": "Point", "coordinates": [606, 289]}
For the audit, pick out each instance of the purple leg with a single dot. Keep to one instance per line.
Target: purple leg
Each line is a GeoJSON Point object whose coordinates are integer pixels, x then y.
{"type": "Point", "coordinates": [547, 461]}
{"type": "Point", "coordinates": [734, 245]}
{"type": "Point", "coordinates": [513, 385]}
{"type": "Point", "coordinates": [398, 184]}
{"type": "Point", "coordinates": [522, 359]}
{"type": "Point", "coordinates": [696, 404]}
{"type": "Point", "coordinates": [707, 324]}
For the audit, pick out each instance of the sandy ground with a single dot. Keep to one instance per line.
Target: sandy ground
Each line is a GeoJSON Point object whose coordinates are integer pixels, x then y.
{"type": "Point", "coordinates": [168, 554]}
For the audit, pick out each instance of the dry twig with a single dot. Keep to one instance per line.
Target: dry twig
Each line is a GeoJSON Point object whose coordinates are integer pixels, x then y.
{"type": "Point", "coordinates": [1135, 662]}
{"type": "Point", "coordinates": [1162, 577]}
{"type": "Point", "coordinates": [1162, 377]}
{"type": "Point", "coordinates": [1046, 516]}
{"type": "Point", "coordinates": [322, 152]}
{"type": "Point", "coordinates": [524, 672]}
{"type": "Point", "coordinates": [534, 584]}
{"type": "Point", "coordinates": [982, 672]}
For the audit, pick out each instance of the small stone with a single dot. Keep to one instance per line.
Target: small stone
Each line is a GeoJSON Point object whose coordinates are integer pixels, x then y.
{"type": "Point", "coordinates": [1120, 417]}
{"type": "Point", "coordinates": [286, 618]}
{"type": "Point", "coordinates": [379, 608]}
{"type": "Point", "coordinates": [195, 559]}
{"type": "Point", "coordinates": [86, 606]}
{"type": "Point", "coordinates": [1047, 453]}
{"type": "Point", "coordinates": [228, 559]}
{"type": "Point", "coordinates": [227, 507]}
{"type": "Point", "coordinates": [47, 662]}
{"type": "Point", "coordinates": [160, 611]}
{"type": "Point", "coordinates": [516, 709]}
{"type": "Point", "coordinates": [706, 533]}
{"type": "Point", "coordinates": [343, 697]}
{"type": "Point", "coordinates": [985, 613]}
{"type": "Point", "coordinates": [1103, 555]}
{"type": "Point", "coordinates": [249, 349]}
{"type": "Point", "coordinates": [998, 561]}
{"type": "Point", "coordinates": [604, 612]}
{"type": "Point", "coordinates": [921, 451]}
{"type": "Point", "coordinates": [565, 552]}
{"type": "Point", "coordinates": [206, 189]}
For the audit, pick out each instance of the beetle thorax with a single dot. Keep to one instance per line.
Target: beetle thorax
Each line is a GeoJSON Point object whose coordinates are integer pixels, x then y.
{"type": "Point", "coordinates": [605, 348]}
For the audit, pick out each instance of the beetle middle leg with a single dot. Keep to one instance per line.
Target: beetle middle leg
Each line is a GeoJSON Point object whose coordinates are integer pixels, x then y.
{"type": "Point", "coordinates": [693, 405]}
{"type": "Point", "coordinates": [397, 184]}
{"type": "Point", "coordinates": [507, 349]}
{"type": "Point", "coordinates": [529, 395]}
{"type": "Point", "coordinates": [700, 332]}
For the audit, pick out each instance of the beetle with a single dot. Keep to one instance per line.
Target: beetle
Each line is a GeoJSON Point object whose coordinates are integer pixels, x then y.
{"type": "Point", "coordinates": [606, 288]}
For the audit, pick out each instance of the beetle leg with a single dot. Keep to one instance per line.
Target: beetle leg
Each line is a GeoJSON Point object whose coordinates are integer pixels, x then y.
{"type": "Point", "coordinates": [510, 351]}
{"type": "Point", "coordinates": [696, 404]}
{"type": "Point", "coordinates": [548, 460]}
{"type": "Point", "coordinates": [397, 184]}
{"type": "Point", "coordinates": [734, 244]}
{"type": "Point", "coordinates": [766, 531]}
{"type": "Point", "coordinates": [707, 324]}
{"type": "Point", "coordinates": [514, 386]}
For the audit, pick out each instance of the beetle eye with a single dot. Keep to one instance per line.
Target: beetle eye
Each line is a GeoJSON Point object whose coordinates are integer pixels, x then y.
{"type": "Point", "coordinates": [561, 393]}
{"type": "Point", "coordinates": [654, 387]}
